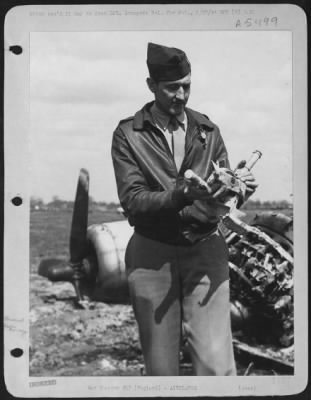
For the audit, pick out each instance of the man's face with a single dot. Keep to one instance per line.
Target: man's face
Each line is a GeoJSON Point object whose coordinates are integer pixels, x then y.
{"type": "Point", "coordinates": [171, 96]}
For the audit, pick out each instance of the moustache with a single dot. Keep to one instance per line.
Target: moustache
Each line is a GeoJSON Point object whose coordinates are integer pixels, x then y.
{"type": "Point", "coordinates": [179, 103]}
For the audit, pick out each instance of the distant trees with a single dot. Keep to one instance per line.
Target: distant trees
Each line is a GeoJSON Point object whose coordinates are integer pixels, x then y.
{"type": "Point", "coordinates": [267, 205]}
{"type": "Point", "coordinates": [36, 203]}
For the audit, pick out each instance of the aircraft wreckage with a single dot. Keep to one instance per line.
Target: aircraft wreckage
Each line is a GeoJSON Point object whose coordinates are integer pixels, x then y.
{"type": "Point", "coordinates": [260, 261]}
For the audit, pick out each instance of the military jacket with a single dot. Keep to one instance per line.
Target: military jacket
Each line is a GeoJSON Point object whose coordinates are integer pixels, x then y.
{"type": "Point", "coordinates": [151, 189]}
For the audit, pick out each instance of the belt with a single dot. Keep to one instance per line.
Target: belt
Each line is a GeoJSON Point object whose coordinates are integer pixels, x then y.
{"type": "Point", "coordinates": [183, 238]}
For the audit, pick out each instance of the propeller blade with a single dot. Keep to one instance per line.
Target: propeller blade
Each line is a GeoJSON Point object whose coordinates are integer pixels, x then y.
{"type": "Point", "coordinates": [78, 236]}
{"type": "Point", "coordinates": [78, 240]}
{"type": "Point", "coordinates": [56, 270]}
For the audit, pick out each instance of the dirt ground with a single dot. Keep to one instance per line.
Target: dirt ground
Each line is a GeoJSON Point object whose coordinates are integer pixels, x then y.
{"type": "Point", "coordinates": [68, 341]}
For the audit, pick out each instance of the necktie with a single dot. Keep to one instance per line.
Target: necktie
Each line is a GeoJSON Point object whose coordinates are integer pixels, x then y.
{"type": "Point", "coordinates": [178, 141]}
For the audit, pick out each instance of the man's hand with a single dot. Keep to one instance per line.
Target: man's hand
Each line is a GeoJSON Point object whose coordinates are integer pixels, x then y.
{"type": "Point", "coordinates": [195, 192]}
{"type": "Point", "coordinates": [197, 189]}
{"type": "Point", "coordinates": [246, 176]}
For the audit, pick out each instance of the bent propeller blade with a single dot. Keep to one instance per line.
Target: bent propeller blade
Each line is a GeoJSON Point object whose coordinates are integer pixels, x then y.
{"type": "Point", "coordinates": [78, 239]}
{"type": "Point", "coordinates": [56, 270]}
{"type": "Point", "coordinates": [78, 242]}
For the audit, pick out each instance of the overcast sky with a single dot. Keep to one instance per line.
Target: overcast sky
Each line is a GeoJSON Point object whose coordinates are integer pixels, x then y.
{"type": "Point", "coordinates": [82, 84]}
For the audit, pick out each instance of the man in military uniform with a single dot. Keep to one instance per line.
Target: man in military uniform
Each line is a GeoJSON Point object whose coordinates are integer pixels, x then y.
{"type": "Point", "coordinates": [177, 259]}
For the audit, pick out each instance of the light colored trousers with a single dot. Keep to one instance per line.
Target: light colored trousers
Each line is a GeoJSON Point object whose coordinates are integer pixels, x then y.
{"type": "Point", "coordinates": [182, 288]}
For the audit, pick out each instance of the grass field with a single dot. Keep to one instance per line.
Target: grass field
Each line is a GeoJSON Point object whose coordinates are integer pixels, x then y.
{"type": "Point", "coordinates": [66, 341]}
{"type": "Point", "coordinates": [50, 231]}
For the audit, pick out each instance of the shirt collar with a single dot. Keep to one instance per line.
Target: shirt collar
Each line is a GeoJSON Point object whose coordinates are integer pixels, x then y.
{"type": "Point", "coordinates": [162, 119]}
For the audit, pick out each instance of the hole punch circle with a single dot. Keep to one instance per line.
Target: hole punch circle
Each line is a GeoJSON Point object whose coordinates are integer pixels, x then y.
{"type": "Point", "coordinates": [17, 352]}
{"type": "Point", "coordinates": [17, 201]}
{"type": "Point", "coordinates": [16, 49]}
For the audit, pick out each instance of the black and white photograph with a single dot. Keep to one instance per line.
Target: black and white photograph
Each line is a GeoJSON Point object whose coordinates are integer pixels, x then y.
{"type": "Point", "coordinates": [161, 199]}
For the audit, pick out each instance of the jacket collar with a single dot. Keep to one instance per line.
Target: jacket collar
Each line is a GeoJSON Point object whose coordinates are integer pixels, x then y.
{"type": "Point", "coordinates": [144, 116]}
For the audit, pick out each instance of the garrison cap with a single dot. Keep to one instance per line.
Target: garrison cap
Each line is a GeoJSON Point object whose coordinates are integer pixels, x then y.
{"type": "Point", "coordinates": [166, 63]}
